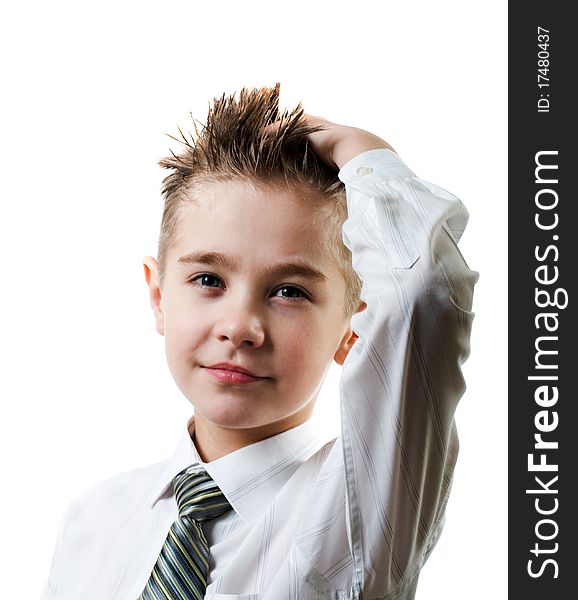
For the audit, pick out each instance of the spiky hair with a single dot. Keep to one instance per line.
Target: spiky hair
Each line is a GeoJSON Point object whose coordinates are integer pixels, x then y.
{"type": "Point", "coordinates": [236, 142]}
{"type": "Point", "coordinates": [249, 138]}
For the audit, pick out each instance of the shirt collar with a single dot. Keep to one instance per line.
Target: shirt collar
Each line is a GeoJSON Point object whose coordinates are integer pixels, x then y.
{"type": "Point", "coordinates": [251, 476]}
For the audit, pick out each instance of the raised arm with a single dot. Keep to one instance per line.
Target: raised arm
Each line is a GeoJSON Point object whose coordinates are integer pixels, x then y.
{"type": "Point", "coordinates": [402, 379]}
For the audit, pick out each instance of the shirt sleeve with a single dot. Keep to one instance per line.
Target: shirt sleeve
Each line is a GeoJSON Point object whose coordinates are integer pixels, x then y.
{"type": "Point", "coordinates": [402, 379]}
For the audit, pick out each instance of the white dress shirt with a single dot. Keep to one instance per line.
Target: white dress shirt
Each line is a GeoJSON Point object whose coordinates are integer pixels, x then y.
{"type": "Point", "coordinates": [343, 518]}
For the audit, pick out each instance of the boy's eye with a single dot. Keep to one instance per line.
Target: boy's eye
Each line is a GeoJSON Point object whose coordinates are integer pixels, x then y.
{"type": "Point", "coordinates": [207, 280]}
{"type": "Point", "coordinates": [291, 292]}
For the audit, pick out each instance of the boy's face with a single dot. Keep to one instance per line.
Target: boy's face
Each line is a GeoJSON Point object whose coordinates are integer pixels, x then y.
{"type": "Point", "coordinates": [250, 284]}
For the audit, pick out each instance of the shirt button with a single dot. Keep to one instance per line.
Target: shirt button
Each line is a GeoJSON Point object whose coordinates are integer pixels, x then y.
{"type": "Point", "coordinates": [364, 170]}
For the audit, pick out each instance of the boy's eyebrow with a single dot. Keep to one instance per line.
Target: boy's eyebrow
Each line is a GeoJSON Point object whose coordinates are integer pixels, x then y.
{"type": "Point", "coordinates": [221, 260]}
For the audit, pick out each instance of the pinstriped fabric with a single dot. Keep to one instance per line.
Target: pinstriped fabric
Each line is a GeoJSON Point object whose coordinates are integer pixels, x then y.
{"type": "Point", "coordinates": [182, 567]}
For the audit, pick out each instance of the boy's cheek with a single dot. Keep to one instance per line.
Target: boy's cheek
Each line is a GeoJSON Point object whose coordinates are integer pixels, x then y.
{"type": "Point", "coordinates": [303, 358]}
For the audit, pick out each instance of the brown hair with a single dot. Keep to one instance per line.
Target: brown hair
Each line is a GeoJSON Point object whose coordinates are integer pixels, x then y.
{"type": "Point", "coordinates": [234, 144]}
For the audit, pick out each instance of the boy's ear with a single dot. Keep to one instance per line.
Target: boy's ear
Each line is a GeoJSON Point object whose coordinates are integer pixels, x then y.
{"type": "Point", "coordinates": [347, 340]}
{"type": "Point", "coordinates": [344, 347]}
{"type": "Point", "coordinates": [151, 272]}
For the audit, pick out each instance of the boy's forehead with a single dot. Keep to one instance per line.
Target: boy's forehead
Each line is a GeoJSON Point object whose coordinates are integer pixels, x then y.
{"type": "Point", "coordinates": [238, 216]}
{"type": "Point", "coordinates": [255, 205]}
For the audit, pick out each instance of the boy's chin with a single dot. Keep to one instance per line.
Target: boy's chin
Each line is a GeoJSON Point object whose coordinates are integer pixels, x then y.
{"type": "Point", "coordinates": [233, 413]}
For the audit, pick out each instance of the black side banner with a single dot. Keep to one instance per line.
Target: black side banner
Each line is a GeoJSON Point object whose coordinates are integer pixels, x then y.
{"type": "Point", "coordinates": [543, 256]}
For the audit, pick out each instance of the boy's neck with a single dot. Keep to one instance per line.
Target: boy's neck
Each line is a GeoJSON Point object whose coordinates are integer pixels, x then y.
{"type": "Point", "coordinates": [213, 442]}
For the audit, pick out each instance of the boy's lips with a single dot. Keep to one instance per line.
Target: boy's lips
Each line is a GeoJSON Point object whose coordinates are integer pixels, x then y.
{"type": "Point", "coordinates": [230, 373]}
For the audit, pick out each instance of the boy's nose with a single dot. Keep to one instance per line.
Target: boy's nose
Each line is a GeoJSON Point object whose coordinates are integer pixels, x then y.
{"type": "Point", "coordinates": [240, 325]}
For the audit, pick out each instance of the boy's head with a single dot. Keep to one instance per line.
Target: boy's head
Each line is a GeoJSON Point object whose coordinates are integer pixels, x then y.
{"type": "Point", "coordinates": [252, 272]}
{"type": "Point", "coordinates": [237, 143]}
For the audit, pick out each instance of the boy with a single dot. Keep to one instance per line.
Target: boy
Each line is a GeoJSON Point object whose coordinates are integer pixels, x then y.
{"type": "Point", "coordinates": [287, 242]}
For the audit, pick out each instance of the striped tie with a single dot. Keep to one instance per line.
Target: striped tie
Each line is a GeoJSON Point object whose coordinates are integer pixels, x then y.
{"type": "Point", "coordinates": [182, 567]}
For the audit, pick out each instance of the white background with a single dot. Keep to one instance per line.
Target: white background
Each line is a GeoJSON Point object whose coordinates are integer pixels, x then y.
{"type": "Point", "coordinates": [89, 90]}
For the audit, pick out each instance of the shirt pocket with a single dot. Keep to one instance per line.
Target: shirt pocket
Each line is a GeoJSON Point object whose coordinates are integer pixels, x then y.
{"type": "Point", "coordinates": [315, 586]}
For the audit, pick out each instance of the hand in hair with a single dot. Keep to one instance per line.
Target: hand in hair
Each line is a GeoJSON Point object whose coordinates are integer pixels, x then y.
{"type": "Point", "coordinates": [337, 144]}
